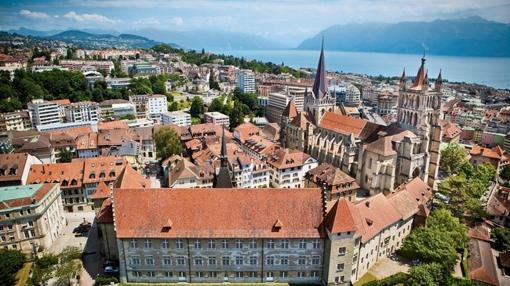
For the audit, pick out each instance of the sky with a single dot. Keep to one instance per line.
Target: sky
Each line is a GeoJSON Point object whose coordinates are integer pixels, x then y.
{"type": "Point", "coordinates": [287, 21]}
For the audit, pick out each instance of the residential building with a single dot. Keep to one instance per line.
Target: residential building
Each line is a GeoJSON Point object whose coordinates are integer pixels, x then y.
{"type": "Point", "coordinates": [184, 174]}
{"type": "Point", "coordinates": [261, 235]}
{"type": "Point", "coordinates": [15, 168]}
{"type": "Point", "coordinates": [496, 156]}
{"type": "Point", "coordinates": [346, 94]}
{"type": "Point", "coordinates": [141, 69]}
{"type": "Point", "coordinates": [84, 65]}
{"type": "Point", "coordinates": [334, 183]}
{"type": "Point", "coordinates": [217, 118]}
{"type": "Point", "coordinates": [83, 111]}
{"type": "Point", "coordinates": [289, 167]}
{"type": "Point", "coordinates": [43, 112]}
{"type": "Point", "coordinates": [31, 217]}
{"type": "Point", "coordinates": [116, 108]}
{"type": "Point", "coordinates": [245, 81]}
{"type": "Point", "coordinates": [118, 82]}
{"type": "Point", "coordinates": [19, 120]}
{"type": "Point", "coordinates": [179, 118]}
{"type": "Point", "coordinates": [149, 106]}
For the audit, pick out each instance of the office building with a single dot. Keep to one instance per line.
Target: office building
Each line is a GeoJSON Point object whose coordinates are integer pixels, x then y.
{"type": "Point", "coordinates": [245, 81]}
{"type": "Point", "coordinates": [43, 112]}
{"type": "Point", "coordinates": [217, 118]}
{"type": "Point", "coordinates": [83, 111]}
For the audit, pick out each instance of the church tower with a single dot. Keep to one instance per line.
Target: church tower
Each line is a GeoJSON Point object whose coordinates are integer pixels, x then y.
{"type": "Point", "coordinates": [419, 108]}
{"type": "Point", "coordinates": [319, 102]}
{"type": "Point", "coordinates": [223, 178]}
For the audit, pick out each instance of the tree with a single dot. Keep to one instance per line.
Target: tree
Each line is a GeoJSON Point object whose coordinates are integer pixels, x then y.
{"type": "Point", "coordinates": [429, 245]}
{"type": "Point", "coordinates": [505, 173]}
{"type": "Point", "coordinates": [10, 262]}
{"type": "Point", "coordinates": [197, 106]}
{"type": "Point", "coordinates": [168, 142]}
{"type": "Point", "coordinates": [69, 265]}
{"type": "Point", "coordinates": [443, 221]}
{"type": "Point", "coordinates": [127, 117]}
{"type": "Point", "coordinates": [464, 196]}
{"type": "Point", "coordinates": [453, 157]}
{"type": "Point", "coordinates": [502, 238]}
{"type": "Point", "coordinates": [43, 269]}
{"type": "Point", "coordinates": [428, 274]}
{"type": "Point", "coordinates": [65, 156]}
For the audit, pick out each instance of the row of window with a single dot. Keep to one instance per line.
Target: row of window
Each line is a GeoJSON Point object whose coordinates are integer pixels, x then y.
{"type": "Point", "coordinates": [226, 275]}
{"type": "Point", "coordinates": [270, 243]}
{"type": "Point", "coordinates": [226, 260]}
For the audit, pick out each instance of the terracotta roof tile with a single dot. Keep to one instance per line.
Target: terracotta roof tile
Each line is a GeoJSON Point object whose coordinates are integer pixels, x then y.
{"type": "Point", "coordinates": [481, 262]}
{"type": "Point", "coordinates": [68, 175]}
{"type": "Point", "coordinates": [15, 162]}
{"type": "Point", "coordinates": [130, 178]}
{"type": "Point", "coordinates": [288, 158]}
{"type": "Point", "coordinates": [217, 213]}
{"type": "Point", "coordinates": [102, 191]}
{"type": "Point", "coordinates": [347, 125]}
{"type": "Point", "coordinates": [290, 110]}
{"type": "Point", "coordinates": [245, 130]}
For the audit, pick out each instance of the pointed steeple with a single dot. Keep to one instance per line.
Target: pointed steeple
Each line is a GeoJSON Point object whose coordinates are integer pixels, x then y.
{"type": "Point", "coordinates": [403, 80]}
{"type": "Point", "coordinates": [419, 81]}
{"type": "Point", "coordinates": [439, 81]}
{"type": "Point", "coordinates": [320, 85]}
{"type": "Point", "coordinates": [223, 179]}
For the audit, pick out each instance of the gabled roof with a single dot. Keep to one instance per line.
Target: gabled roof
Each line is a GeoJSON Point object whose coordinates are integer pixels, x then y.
{"type": "Point", "coordinates": [481, 262]}
{"type": "Point", "coordinates": [102, 191]}
{"type": "Point", "coordinates": [217, 213]}
{"type": "Point", "coordinates": [245, 130]}
{"type": "Point", "coordinates": [346, 125]}
{"type": "Point", "coordinates": [66, 174]}
{"type": "Point", "coordinates": [408, 198]}
{"type": "Point", "coordinates": [130, 178]}
{"type": "Point", "coordinates": [12, 161]}
{"type": "Point", "coordinates": [290, 110]}
{"type": "Point", "coordinates": [288, 158]}
{"type": "Point", "coordinates": [301, 121]}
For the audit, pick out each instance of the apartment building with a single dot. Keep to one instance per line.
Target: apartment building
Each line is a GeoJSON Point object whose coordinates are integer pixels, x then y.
{"type": "Point", "coordinates": [84, 65]}
{"type": "Point", "coordinates": [31, 216]}
{"type": "Point", "coordinates": [289, 167]}
{"type": "Point", "coordinates": [334, 182]}
{"type": "Point", "coordinates": [217, 118]}
{"type": "Point", "coordinates": [19, 120]}
{"type": "Point", "coordinates": [245, 81]}
{"type": "Point", "coordinates": [237, 236]}
{"type": "Point", "coordinates": [83, 111]}
{"type": "Point", "coordinates": [178, 118]}
{"type": "Point", "coordinates": [184, 174]}
{"type": "Point", "coordinates": [43, 112]}
{"type": "Point", "coordinates": [149, 106]}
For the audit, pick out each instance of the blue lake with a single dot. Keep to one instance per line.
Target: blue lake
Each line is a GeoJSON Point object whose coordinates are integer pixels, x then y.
{"type": "Point", "coordinates": [493, 72]}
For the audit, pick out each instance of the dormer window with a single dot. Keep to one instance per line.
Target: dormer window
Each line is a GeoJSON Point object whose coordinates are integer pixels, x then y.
{"type": "Point", "coordinates": [102, 175]}
{"type": "Point", "coordinates": [112, 173]}
{"type": "Point", "coordinates": [92, 176]}
{"type": "Point", "coordinates": [64, 183]}
{"type": "Point", "coordinates": [12, 171]}
{"type": "Point", "coordinates": [74, 182]}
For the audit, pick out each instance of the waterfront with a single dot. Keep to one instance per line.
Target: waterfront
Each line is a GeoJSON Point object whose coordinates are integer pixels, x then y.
{"type": "Point", "coordinates": [493, 72]}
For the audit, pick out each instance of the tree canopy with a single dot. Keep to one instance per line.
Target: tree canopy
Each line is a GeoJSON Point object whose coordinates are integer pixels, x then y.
{"type": "Point", "coordinates": [168, 142]}
{"type": "Point", "coordinates": [197, 106]}
{"type": "Point", "coordinates": [10, 262]}
{"type": "Point", "coordinates": [501, 236]}
{"type": "Point", "coordinates": [453, 158]}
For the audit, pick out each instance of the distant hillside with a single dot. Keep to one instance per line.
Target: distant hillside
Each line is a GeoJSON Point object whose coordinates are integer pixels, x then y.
{"type": "Point", "coordinates": [210, 40]}
{"type": "Point", "coordinates": [89, 40]}
{"type": "Point", "coordinates": [29, 32]}
{"type": "Point", "coordinates": [473, 36]}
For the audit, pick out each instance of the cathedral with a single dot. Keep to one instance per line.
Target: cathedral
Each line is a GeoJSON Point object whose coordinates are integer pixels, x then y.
{"type": "Point", "coordinates": [379, 157]}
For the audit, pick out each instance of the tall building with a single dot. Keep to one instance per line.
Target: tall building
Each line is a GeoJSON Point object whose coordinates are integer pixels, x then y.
{"type": "Point", "coordinates": [43, 112]}
{"type": "Point", "coordinates": [83, 111]}
{"type": "Point", "coordinates": [277, 101]}
{"type": "Point", "coordinates": [149, 106]}
{"type": "Point", "coordinates": [179, 118]}
{"type": "Point", "coordinates": [245, 81]}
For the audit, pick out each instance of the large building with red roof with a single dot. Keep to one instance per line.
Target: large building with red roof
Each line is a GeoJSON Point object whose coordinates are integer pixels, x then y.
{"type": "Point", "coordinates": [258, 235]}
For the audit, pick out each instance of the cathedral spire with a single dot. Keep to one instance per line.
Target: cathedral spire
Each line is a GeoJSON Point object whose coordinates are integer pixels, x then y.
{"type": "Point", "coordinates": [439, 81]}
{"type": "Point", "coordinates": [320, 85]}
{"type": "Point", "coordinates": [421, 76]}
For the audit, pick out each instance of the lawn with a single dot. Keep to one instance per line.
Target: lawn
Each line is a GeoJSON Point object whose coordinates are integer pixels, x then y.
{"type": "Point", "coordinates": [23, 273]}
{"type": "Point", "coordinates": [365, 279]}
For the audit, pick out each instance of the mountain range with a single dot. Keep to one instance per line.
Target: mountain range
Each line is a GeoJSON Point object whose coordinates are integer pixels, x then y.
{"type": "Point", "coordinates": [196, 39]}
{"type": "Point", "coordinates": [472, 36]}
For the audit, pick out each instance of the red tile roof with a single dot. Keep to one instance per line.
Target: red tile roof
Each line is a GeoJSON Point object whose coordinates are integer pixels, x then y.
{"type": "Point", "coordinates": [481, 262]}
{"type": "Point", "coordinates": [217, 213]}
{"type": "Point", "coordinates": [408, 198]}
{"type": "Point", "coordinates": [102, 191]}
{"type": "Point", "coordinates": [130, 178]}
{"type": "Point", "coordinates": [288, 158]}
{"type": "Point", "coordinates": [12, 161]}
{"type": "Point", "coordinates": [105, 214]}
{"type": "Point", "coordinates": [347, 125]}
{"type": "Point", "coordinates": [109, 125]}
{"type": "Point", "coordinates": [104, 169]}
{"type": "Point", "coordinates": [290, 110]}
{"type": "Point", "coordinates": [245, 130]}
{"type": "Point", "coordinates": [68, 175]}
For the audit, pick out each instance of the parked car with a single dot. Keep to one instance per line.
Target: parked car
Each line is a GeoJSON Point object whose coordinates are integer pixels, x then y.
{"type": "Point", "coordinates": [111, 270]}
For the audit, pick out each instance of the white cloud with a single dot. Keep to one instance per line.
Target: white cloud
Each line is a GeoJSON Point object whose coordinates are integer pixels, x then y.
{"type": "Point", "coordinates": [97, 18]}
{"type": "Point", "coordinates": [33, 15]}
{"type": "Point", "coordinates": [177, 21]}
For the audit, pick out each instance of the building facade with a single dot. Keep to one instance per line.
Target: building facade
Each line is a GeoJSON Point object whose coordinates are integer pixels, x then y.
{"type": "Point", "coordinates": [43, 112]}
{"type": "Point", "coordinates": [84, 111]}
{"type": "Point", "coordinates": [32, 216]}
{"type": "Point", "coordinates": [245, 81]}
{"type": "Point", "coordinates": [178, 118]}
{"type": "Point", "coordinates": [217, 118]}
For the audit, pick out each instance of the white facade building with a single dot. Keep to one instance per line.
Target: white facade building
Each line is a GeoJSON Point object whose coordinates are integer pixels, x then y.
{"type": "Point", "coordinates": [84, 111]}
{"type": "Point", "coordinates": [43, 112]}
{"type": "Point", "coordinates": [217, 118]}
{"type": "Point", "coordinates": [245, 81]}
{"type": "Point", "coordinates": [179, 118]}
{"type": "Point", "coordinates": [289, 167]}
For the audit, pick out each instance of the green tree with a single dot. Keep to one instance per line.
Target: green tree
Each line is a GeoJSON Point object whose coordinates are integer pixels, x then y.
{"type": "Point", "coordinates": [428, 274]}
{"type": "Point", "coordinates": [429, 246]}
{"type": "Point", "coordinates": [168, 142]}
{"type": "Point", "coordinates": [159, 87]}
{"type": "Point", "coordinates": [442, 220]}
{"type": "Point", "coordinates": [464, 196]}
{"type": "Point", "coordinates": [505, 173]}
{"type": "Point", "coordinates": [453, 157]}
{"type": "Point", "coordinates": [69, 265]}
{"type": "Point", "coordinates": [43, 269]}
{"type": "Point", "coordinates": [65, 156]}
{"type": "Point", "coordinates": [501, 236]}
{"type": "Point", "coordinates": [10, 262]}
{"type": "Point", "coordinates": [127, 117]}
{"type": "Point", "coordinates": [197, 106]}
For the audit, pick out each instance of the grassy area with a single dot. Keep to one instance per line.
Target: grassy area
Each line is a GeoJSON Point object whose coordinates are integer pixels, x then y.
{"type": "Point", "coordinates": [195, 120]}
{"type": "Point", "coordinates": [365, 278]}
{"type": "Point", "coordinates": [23, 273]}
